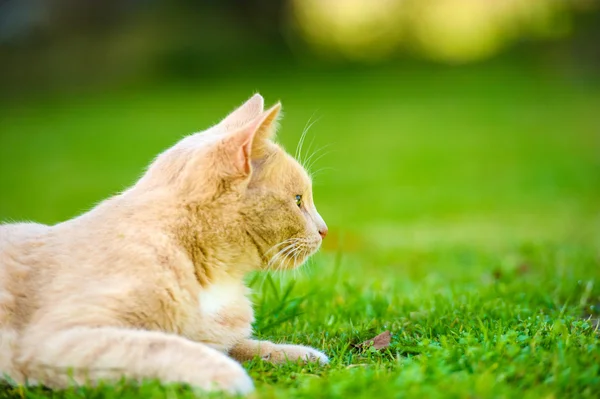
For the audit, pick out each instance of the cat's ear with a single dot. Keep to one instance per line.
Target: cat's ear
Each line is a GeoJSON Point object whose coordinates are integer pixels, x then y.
{"type": "Point", "coordinates": [246, 143]}
{"type": "Point", "coordinates": [245, 113]}
{"type": "Point", "coordinates": [266, 131]}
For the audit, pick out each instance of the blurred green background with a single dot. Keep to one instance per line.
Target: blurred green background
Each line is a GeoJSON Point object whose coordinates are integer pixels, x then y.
{"type": "Point", "coordinates": [457, 164]}
{"type": "Point", "coordinates": [440, 122]}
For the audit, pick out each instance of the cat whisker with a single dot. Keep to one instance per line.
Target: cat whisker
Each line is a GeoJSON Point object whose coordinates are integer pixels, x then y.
{"type": "Point", "coordinates": [311, 263]}
{"type": "Point", "coordinates": [320, 170]}
{"type": "Point", "coordinates": [301, 140]}
{"type": "Point", "coordinates": [283, 252]}
{"type": "Point", "coordinates": [308, 151]}
{"type": "Point", "coordinates": [307, 247]}
{"type": "Point", "coordinates": [286, 254]}
{"type": "Point", "coordinates": [294, 249]}
{"type": "Point", "coordinates": [303, 250]}
{"type": "Point", "coordinates": [297, 250]}
{"type": "Point", "coordinates": [297, 253]}
{"type": "Point", "coordinates": [309, 124]}
{"type": "Point", "coordinates": [274, 247]}
{"type": "Point", "coordinates": [275, 258]}
{"type": "Point", "coordinates": [282, 242]}
{"type": "Point", "coordinates": [305, 162]}
{"type": "Point", "coordinates": [316, 156]}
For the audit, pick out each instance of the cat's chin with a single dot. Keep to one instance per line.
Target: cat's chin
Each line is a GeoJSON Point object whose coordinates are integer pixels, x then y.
{"type": "Point", "coordinates": [294, 261]}
{"type": "Point", "coordinates": [286, 263]}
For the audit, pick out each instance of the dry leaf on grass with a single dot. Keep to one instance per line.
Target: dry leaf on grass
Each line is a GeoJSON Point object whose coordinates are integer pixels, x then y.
{"type": "Point", "coordinates": [379, 342]}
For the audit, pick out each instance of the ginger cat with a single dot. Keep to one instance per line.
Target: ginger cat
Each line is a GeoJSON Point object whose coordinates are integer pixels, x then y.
{"type": "Point", "coordinates": [148, 284]}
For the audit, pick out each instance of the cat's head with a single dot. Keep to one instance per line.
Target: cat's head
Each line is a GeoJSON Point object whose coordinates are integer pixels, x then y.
{"type": "Point", "coordinates": [235, 168]}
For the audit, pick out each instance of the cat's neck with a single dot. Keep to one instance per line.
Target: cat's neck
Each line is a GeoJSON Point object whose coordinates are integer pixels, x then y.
{"type": "Point", "coordinates": [216, 242]}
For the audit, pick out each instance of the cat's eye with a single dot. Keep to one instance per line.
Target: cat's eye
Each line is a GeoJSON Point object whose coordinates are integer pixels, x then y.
{"type": "Point", "coordinates": [299, 200]}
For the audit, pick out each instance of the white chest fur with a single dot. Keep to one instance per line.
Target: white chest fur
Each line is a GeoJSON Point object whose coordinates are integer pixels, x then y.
{"type": "Point", "coordinates": [225, 315]}
{"type": "Point", "coordinates": [220, 297]}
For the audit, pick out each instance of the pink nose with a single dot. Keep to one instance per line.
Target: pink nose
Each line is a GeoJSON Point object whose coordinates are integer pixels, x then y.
{"type": "Point", "coordinates": [323, 232]}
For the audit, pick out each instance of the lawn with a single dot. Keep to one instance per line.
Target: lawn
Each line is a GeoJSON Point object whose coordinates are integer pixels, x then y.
{"type": "Point", "coordinates": [463, 207]}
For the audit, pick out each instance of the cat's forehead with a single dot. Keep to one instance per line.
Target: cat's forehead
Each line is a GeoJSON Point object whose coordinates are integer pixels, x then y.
{"type": "Point", "coordinates": [298, 170]}
{"type": "Point", "coordinates": [282, 172]}
{"type": "Point", "coordinates": [291, 171]}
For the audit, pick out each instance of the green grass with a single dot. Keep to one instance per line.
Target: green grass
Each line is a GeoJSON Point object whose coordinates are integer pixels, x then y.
{"type": "Point", "coordinates": [463, 205]}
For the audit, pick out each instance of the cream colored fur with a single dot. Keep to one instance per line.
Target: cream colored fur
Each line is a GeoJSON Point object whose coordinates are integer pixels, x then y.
{"type": "Point", "coordinates": [148, 284]}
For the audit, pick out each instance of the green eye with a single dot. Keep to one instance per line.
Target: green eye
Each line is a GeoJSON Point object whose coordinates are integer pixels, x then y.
{"type": "Point", "coordinates": [299, 200]}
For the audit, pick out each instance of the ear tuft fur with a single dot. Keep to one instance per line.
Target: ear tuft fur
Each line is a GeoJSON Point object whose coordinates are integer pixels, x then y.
{"type": "Point", "coordinates": [267, 131]}
{"type": "Point", "coordinates": [246, 112]}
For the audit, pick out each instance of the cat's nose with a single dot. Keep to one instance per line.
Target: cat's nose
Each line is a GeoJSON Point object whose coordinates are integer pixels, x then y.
{"type": "Point", "coordinates": [323, 232]}
{"type": "Point", "coordinates": [320, 224]}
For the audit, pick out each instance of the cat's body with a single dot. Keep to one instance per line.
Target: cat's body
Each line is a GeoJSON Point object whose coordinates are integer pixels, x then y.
{"type": "Point", "coordinates": [149, 284]}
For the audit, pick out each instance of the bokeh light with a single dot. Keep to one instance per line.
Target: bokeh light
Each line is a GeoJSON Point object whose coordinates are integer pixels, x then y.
{"type": "Point", "coordinates": [356, 29]}
{"type": "Point", "coordinates": [444, 30]}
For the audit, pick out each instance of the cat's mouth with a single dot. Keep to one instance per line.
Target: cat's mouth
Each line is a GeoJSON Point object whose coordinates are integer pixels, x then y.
{"type": "Point", "coordinates": [291, 253]}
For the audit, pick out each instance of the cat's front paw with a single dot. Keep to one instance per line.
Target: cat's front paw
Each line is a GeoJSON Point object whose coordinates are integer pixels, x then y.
{"type": "Point", "coordinates": [293, 353]}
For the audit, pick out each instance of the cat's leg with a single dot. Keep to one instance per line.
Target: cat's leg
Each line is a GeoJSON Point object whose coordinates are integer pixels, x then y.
{"type": "Point", "coordinates": [248, 349]}
{"type": "Point", "coordinates": [8, 339]}
{"type": "Point", "coordinates": [88, 355]}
